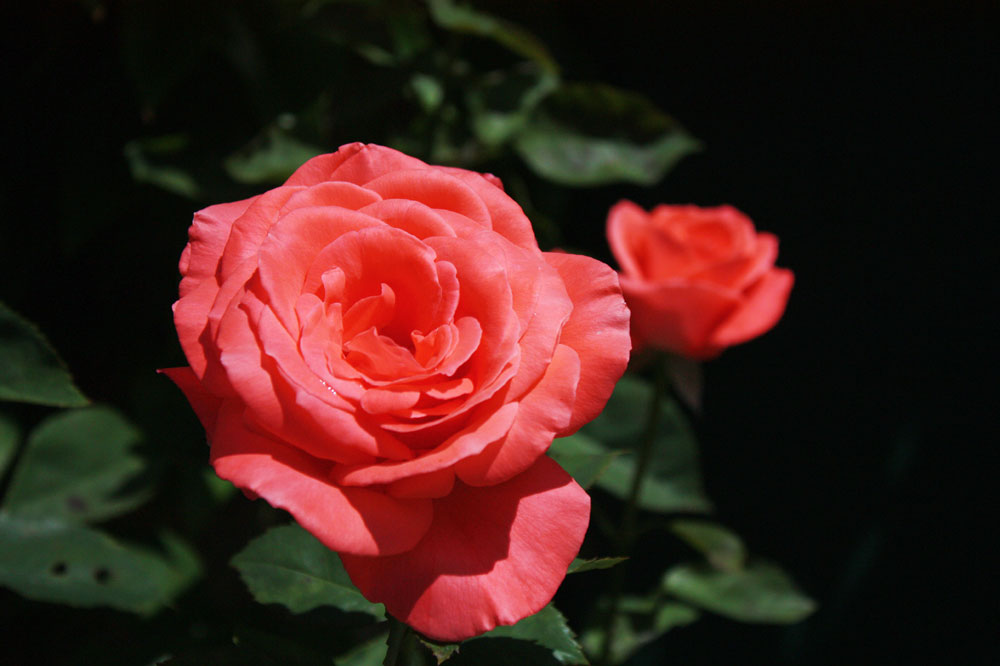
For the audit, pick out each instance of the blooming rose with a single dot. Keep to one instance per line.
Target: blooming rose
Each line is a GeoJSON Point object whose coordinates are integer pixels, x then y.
{"type": "Point", "coordinates": [696, 279]}
{"type": "Point", "coordinates": [380, 348]}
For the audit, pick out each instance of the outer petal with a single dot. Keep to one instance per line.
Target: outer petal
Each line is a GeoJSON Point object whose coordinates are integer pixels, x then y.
{"type": "Point", "coordinates": [626, 221]}
{"type": "Point", "coordinates": [349, 520]}
{"type": "Point", "coordinates": [207, 239]}
{"type": "Point", "coordinates": [492, 556]}
{"type": "Point", "coordinates": [762, 308]}
{"type": "Point", "coordinates": [508, 218]}
{"type": "Point", "coordinates": [206, 406]}
{"type": "Point", "coordinates": [598, 329]}
{"type": "Point", "coordinates": [678, 315]}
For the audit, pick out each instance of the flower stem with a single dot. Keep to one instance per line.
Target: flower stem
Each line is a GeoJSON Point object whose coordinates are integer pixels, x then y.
{"type": "Point", "coordinates": [398, 632]}
{"type": "Point", "coordinates": [628, 533]}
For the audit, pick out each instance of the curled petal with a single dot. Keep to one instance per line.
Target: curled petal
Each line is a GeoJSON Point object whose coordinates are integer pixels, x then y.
{"type": "Point", "coordinates": [349, 520]}
{"type": "Point", "coordinates": [761, 309]}
{"type": "Point", "coordinates": [492, 556]}
{"type": "Point", "coordinates": [598, 330]}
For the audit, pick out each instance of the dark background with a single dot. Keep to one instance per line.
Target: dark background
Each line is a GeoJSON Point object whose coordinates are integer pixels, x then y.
{"type": "Point", "coordinates": [844, 444]}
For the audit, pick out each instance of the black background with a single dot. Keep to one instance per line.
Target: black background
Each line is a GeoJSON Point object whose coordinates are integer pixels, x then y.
{"type": "Point", "coordinates": [846, 444]}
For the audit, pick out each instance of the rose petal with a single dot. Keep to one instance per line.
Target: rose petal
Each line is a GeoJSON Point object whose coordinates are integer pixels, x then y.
{"type": "Point", "coordinates": [435, 189]}
{"type": "Point", "coordinates": [207, 239]}
{"type": "Point", "coordinates": [761, 309]}
{"type": "Point", "coordinates": [598, 330]}
{"type": "Point", "coordinates": [507, 217]}
{"type": "Point", "coordinates": [206, 406]}
{"type": "Point", "coordinates": [492, 556]}
{"type": "Point", "coordinates": [490, 427]}
{"type": "Point", "coordinates": [543, 412]}
{"type": "Point", "coordinates": [348, 520]}
{"type": "Point", "coordinates": [678, 315]}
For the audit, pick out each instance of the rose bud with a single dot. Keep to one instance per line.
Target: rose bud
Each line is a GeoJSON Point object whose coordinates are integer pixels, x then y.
{"type": "Point", "coordinates": [697, 280]}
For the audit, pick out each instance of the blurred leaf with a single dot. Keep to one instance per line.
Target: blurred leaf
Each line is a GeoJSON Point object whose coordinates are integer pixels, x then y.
{"type": "Point", "coordinates": [583, 458]}
{"type": "Point", "coordinates": [761, 592]}
{"type": "Point", "coordinates": [593, 134]}
{"type": "Point", "coordinates": [429, 91]}
{"type": "Point", "coordinates": [367, 654]}
{"type": "Point", "coordinates": [289, 566]}
{"type": "Point", "coordinates": [579, 565]}
{"type": "Point", "coordinates": [75, 468]}
{"type": "Point", "coordinates": [643, 620]}
{"type": "Point", "coordinates": [463, 18]}
{"type": "Point", "coordinates": [79, 566]}
{"type": "Point", "coordinates": [10, 434]}
{"type": "Point", "coordinates": [502, 103]}
{"type": "Point", "coordinates": [30, 370]}
{"type": "Point", "coordinates": [674, 480]}
{"type": "Point", "coordinates": [722, 547]}
{"type": "Point", "coordinates": [141, 154]}
{"type": "Point", "coordinates": [548, 629]}
{"type": "Point", "coordinates": [270, 158]}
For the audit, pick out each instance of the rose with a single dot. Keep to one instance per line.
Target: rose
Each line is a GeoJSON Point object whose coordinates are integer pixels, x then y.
{"type": "Point", "coordinates": [380, 348]}
{"type": "Point", "coordinates": [697, 280]}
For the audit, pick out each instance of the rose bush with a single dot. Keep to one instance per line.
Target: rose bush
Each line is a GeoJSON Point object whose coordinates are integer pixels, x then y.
{"type": "Point", "coordinates": [697, 280]}
{"type": "Point", "coordinates": [379, 347]}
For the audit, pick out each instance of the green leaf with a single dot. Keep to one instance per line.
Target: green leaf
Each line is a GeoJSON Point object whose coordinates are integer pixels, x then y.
{"type": "Point", "coordinates": [674, 480]}
{"type": "Point", "coordinates": [579, 565]}
{"type": "Point", "coordinates": [367, 654]}
{"type": "Point", "coordinates": [289, 566]}
{"type": "Point", "coordinates": [30, 370]}
{"type": "Point", "coordinates": [441, 652]}
{"type": "Point", "coordinates": [548, 629]}
{"type": "Point", "coordinates": [76, 467]}
{"type": "Point", "coordinates": [272, 157]}
{"type": "Point", "coordinates": [80, 566]}
{"type": "Point", "coordinates": [761, 592]}
{"type": "Point", "coordinates": [463, 18]}
{"type": "Point", "coordinates": [144, 156]}
{"type": "Point", "coordinates": [502, 103]}
{"type": "Point", "coordinates": [583, 458]}
{"type": "Point", "coordinates": [592, 134]}
{"type": "Point", "coordinates": [10, 434]}
{"type": "Point", "coordinates": [722, 547]}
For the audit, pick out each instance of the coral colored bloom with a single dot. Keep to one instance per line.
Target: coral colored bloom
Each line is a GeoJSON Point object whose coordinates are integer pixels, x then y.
{"type": "Point", "coordinates": [697, 280]}
{"type": "Point", "coordinates": [379, 347]}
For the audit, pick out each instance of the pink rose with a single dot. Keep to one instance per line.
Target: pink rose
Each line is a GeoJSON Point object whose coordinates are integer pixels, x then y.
{"type": "Point", "coordinates": [379, 347]}
{"type": "Point", "coordinates": [697, 280]}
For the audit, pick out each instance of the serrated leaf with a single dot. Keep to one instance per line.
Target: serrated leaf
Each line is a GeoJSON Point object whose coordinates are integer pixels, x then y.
{"type": "Point", "coordinates": [463, 18]}
{"type": "Point", "coordinates": [761, 592]}
{"type": "Point", "coordinates": [80, 566]}
{"type": "Point", "coordinates": [583, 458]}
{"type": "Point", "coordinates": [30, 370]}
{"type": "Point", "coordinates": [10, 434]}
{"type": "Point", "coordinates": [548, 629]}
{"type": "Point", "coordinates": [271, 158]}
{"type": "Point", "coordinates": [288, 566]}
{"type": "Point", "coordinates": [593, 134]}
{"type": "Point", "coordinates": [722, 547]}
{"type": "Point", "coordinates": [673, 482]}
{"type": "Point", "coordinates": [441, 652]}
{"type": "Point", "coordinates": [76, 468]}
{"type": "Point", "coordinates": [579, 565]}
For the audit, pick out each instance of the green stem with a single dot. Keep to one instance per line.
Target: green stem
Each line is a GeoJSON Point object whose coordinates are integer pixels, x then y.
{"type": "Point", "coordinates": [630, 516]}
{"type": "Point", "coordinates": [397, 636]}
